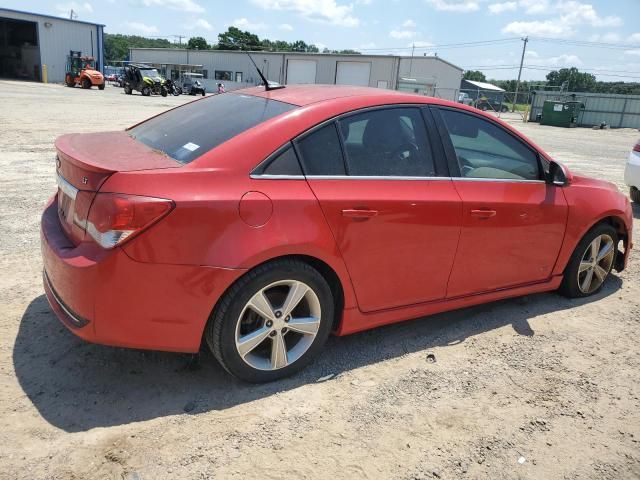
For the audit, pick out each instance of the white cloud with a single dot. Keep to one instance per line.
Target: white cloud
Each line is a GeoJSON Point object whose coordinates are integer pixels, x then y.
{"type": "Point", "coordinates": [363, 2]}
{"type": "Point", "coordinates": [402, 34]}
{"type": "Point", "coordinates": [286, 27]}
{"type": "Point", "coordinates": [611, 37]}
{"type": "Point", "coordinates": [65, 8]}
{"type": "Point", "coordinates": [140, 28]}
{"type": "Point", "coordinates": [564, 60]}
{"type": "Point", "coordinates": [531, 53]}
{"type": "Point", "coordinates": [199, 24]}
{"type": "Point", "coordinates": [245, 24]}
{"type": "Point", "coordinates": [455, 5]}
{"type": "Point", "coordinates": [409, 24]}
{"type": "Point", "coordinates": [326, 11]}
{"type": "Point", "coordinates": [497, 8]}
{"type": "Point", "coordinates": [632, 52]}
{"type": "Point", "coordinates": [321, 46]}
{"type": "Point", "coordinates": [189, 6]}
{"type": "Point", "coordinates": [535, 7]}
{"type": "Point", "coordinates": [571, 15]}
{"type": "Point", "coordinates": [546, 28]}
{"type": "Point", "coordinates": [634, 37]}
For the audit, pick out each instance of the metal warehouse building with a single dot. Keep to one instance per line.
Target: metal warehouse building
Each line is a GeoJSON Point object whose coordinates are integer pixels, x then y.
{"type": "Point", "coordinates": [32, 44]}
{"type": "Point", "coordinates": [425, 75]}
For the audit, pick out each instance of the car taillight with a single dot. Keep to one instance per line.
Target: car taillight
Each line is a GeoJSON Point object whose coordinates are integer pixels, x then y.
{"type": "Point", "coordinates": [115, 217]}
{"type": "Point", "coordinates": [636, 147]}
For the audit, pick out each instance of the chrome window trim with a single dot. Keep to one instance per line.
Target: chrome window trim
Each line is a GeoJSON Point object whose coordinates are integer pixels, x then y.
{"type": "Point", "coordinates": [364, 177]}
{"type": "Point", "coordinates": [501, 180]}
{"type": "Point", "coordinates": [275, 177]}
{"type": "Point", "coordinates": [68, 189]}
{"type": "Point", "coordinates": [371, 177]}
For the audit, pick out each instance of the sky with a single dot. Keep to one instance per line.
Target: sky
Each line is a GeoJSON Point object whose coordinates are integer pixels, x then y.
{"type": "Point", "coordinates": [599, 36]}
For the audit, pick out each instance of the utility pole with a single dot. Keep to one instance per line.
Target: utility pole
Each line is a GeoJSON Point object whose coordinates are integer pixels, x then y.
{"type": "Point", "coordinates": [72, 15]}
{"type": "Point", "coordinates": [515, 98]}
{"type": "Point", "coordinates": [179, 37]}
{"type": "Point", "coordinates": [413, 47]}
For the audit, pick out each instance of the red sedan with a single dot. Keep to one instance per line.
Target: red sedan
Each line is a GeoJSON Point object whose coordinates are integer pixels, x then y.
{"type": "Point", "coordinates": [261, 221]}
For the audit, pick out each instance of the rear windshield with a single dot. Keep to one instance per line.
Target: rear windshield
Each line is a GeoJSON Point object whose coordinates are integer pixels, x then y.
{"type": "Point", "coordinates": [187, 132]}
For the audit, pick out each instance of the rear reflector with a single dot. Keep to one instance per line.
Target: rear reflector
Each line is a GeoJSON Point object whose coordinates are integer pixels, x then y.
{"type": "Point", "coordinates": [636, 147]}
{"type": "Point", "coordinates": [115, 217]}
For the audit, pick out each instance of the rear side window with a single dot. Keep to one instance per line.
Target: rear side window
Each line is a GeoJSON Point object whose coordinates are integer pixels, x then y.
{"type": "Point", "coordinates": [187, 132]}
{"type": "Point", "coordinates": [321, 152]}
{"type": "Point", "coordinates": [285, 163]}
{"type": "Point", "coordinates": [388, 143]}
{"type": "Point", "coordinates": [484, 150]}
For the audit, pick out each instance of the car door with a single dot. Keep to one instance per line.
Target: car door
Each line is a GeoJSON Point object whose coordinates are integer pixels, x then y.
{"type": "Point", "coordinates": [395, 221]}
{"type": "Point", "coordinates": [513, 221]}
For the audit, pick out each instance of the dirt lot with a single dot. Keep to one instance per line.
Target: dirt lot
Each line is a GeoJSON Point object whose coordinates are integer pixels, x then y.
{"type": "Point", "coordinates": [537, 387]}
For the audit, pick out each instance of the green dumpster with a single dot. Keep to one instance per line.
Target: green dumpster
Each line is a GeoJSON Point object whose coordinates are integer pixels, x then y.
{"type": "Point", "coordinates": [560, 114]}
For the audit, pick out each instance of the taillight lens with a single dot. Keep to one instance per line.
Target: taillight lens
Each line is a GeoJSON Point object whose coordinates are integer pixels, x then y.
{"type": "Point", "coordinates": [636, 147]}
{"type": "Point", "coordinates": [115, 217]}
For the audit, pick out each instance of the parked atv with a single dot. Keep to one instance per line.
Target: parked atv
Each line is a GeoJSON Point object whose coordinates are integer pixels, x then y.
{"type": "Point", "coordinates": [144, 79]}
{"type": "Point", "coordinates": [82, 71]}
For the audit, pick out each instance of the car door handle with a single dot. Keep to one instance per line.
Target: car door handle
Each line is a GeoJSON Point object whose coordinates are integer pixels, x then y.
{"type": "Point", "coordinates": [483, 213]}
{"type": "Point", "coordinates": [359, 213]}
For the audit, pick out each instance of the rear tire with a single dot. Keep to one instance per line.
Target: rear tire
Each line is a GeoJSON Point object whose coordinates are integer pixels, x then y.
{"type": "Point", "coordinates": [301, 331]}
{"type": "Point", "coordinates": [146, 91]}
{"type": "Point", "coordinates": [101, 86]}
{"type": "Point", "coordinates": [591, 262]}
{"type": "Point", "coordinates": [127, 90]}
{"type": "Point", "coordinates": [86, 83]}
{"type": "Point", "coordinates": [634, 193]}
{"type": "Point", "coordinates": [164, 92]}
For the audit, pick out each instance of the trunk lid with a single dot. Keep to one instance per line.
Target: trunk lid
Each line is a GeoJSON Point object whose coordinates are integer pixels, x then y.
{"type": "Point", "coordinates": [84, 163]}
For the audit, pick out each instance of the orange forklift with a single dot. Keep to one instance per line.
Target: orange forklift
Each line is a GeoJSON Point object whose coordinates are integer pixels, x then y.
{"type": "Point", "coordinates": [82, 71]}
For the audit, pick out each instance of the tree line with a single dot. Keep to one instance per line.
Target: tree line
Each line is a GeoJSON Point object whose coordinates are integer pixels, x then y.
{"type": "Point", "coordinates": [571, 79]}
{"type": "Point", "coordinates": [116, 46]}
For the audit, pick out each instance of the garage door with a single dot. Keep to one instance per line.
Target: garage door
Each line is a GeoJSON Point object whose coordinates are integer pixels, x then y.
{"type": "Point", "coordinates": [19, 50]}
{"type": "Point", "coordinates": [353, 73]}
{"type": "Point", "coordinates": [301, 71]}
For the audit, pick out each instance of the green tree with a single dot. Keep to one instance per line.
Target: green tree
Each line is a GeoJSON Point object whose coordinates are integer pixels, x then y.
{"type": "Point", "coordinates": [198, 43]}
{"type": "Point", "coordinates": [116, 46]}
{"type": "Point", "coordinates": [236, 39]}
{"type": "Point", "coordinates": [577, 81]}
{"type": "Point", "coordinates": [474, 75]}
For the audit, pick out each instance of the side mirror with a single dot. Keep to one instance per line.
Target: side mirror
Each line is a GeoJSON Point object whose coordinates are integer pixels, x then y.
{"type": "Point", "coordinates": [557, 175]}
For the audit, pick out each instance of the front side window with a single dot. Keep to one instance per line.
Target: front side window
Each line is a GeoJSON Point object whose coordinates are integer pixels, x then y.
{"type": "Point", "coordinates": [187, 132]}
{"type": "Point", "coordinates": [390, 143]}
{"type": "Point", "coordinates": [485, 150]}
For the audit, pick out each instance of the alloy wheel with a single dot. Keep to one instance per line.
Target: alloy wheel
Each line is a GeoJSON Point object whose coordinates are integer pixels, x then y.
{"type": "Point", "coordinates": [278, 325]}
{"type": "Point", "coordinates": [596, 263]}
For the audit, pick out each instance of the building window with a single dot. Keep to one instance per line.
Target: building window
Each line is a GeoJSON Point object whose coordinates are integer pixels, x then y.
{"type": "Point", "coordinates": [224, 75]}
{"type": "Point", "coordinates": [239, 77]}
{"type": "Point", "coordinates": [205, 73]}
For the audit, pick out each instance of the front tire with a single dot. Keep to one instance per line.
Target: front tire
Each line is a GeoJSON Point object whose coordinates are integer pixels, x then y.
{"type": "Point", "coordinates": [127, 90]}
{"type": "Point", "coordinates": [591, 262]}
{"type": "Point", "coordinates": [86, 83]}
{"type": "Point", "coordinates": [146, 91]}
{"type": "Point", "coordinates": [272, 322]}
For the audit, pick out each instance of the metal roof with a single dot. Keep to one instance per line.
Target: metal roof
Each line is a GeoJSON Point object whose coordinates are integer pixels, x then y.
{"type": "Point", "coordinates": [353, 55]}
{"type": "Point", "coordinates": [48, 16]}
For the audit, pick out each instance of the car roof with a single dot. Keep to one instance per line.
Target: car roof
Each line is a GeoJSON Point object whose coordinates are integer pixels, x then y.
{"type": "Point", "coordinates": [303, 95]}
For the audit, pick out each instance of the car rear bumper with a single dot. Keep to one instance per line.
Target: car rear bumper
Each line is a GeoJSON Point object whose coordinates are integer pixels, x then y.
{"type": "Point", "coordinates": [103, 296]}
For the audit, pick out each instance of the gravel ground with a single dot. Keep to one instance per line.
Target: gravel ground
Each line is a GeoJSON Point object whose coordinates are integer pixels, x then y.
{"type": "Point", "coordinates": [536, 387]}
